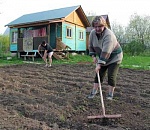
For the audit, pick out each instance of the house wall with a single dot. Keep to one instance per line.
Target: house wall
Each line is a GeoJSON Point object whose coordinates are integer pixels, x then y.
{"type": "Point", "coordinates": [71, 42]}
{"type": "Point", "coordinates": [80, 43]}
{"type": "Point", "coordinates": [74, 43]}
{"type": "Point", "coordinates": [13, 45]}
{"type": "Point", "coordinates": [73, 21]}
{"type": "Point", "coordinates": [18, 46]}
{"type": "Point", "coordinates": [74, 18]}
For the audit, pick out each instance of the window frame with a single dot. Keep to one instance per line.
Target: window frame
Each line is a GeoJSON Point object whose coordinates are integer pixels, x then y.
{"type": "Point", "coordinates": [14, 37]}
{"type": "Point", "coordinates": [81, 35]}
{"type": "Point", "coordinates": [69, 32]}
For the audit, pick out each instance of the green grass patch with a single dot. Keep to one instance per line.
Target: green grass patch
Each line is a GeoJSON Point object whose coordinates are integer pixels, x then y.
{"type": "Point", "coordinates": [136, 62]}
{"type": "Point", "coordinates": [132, 62]}
{"type": "Point", "coordinates": [13, 61]}
{"type": "Point", "coordinates": [74, 59]}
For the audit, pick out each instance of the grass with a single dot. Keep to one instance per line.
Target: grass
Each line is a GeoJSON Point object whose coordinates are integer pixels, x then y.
{"type": "Point", "coordinates": [136, 62]}
{"type": "Point", "coordinates": [4, 61]}
{"type": "Point", "coordinates": [132, 62]}
{"type": "Point", "coordinates": [74, 59]}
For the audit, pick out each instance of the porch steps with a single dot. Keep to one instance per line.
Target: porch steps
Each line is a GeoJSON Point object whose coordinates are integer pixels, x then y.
{"type": "Point", "coordinates": [60, 55]}
{"type": "Point", "coordinates": [62, 50]}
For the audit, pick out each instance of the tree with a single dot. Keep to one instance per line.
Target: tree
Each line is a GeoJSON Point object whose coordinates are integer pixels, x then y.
{"type": "Point", "coordinates": [4, 44]}
{"type": "Point", "coordinates": [136, 35]}
{"type": "Point", "coordinates": [119, 32]}
{"type": "Point", "coordinates": [139, 28]}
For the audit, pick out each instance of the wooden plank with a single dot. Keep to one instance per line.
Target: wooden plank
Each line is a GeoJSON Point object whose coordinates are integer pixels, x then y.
{"type": "Point", "coordinates": [56, 56]}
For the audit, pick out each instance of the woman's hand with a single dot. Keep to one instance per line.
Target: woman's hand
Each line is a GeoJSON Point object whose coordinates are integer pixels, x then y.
{"type": "Point", "coordinates": [98, 67]}
{"type": "Point", "coordinates": [94, 60]}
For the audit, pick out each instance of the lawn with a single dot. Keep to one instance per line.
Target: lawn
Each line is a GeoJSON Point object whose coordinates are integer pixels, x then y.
{"type": "Point", "coordinates": [132, 62]}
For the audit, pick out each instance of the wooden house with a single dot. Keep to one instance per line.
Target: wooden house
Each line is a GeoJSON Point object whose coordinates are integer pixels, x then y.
{"type": "Point", "coordinates": [63, 28]}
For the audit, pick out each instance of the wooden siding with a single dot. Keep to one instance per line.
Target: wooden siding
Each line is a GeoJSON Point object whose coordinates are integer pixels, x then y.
{"type": "Point", "coordinates": [69, 41]}
{"type": "Point", "coordinates": [87, 41]}
{"type": "Point", "coordinates": [74, 18]}
{"type": "Point", "coordinates": [13, 47]}
{"type": "Point", "coordinates": [74, 43]}
{"type": "Point", "coordinates": [80, 43]}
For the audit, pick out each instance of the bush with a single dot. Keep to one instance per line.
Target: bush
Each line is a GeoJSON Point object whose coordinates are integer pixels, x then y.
{"type": "Point", "coordinates": [134, 48]}
{"type": "Point", "coordinates": [4, 44]}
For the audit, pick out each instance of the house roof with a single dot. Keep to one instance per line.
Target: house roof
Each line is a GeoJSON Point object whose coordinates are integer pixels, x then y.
{"type": "Point", "coordinates": [48, 16]}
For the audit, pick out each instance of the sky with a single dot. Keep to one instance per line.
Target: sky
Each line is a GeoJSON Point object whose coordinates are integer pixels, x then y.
{"type": "Point", "coordinates": [118, 11]}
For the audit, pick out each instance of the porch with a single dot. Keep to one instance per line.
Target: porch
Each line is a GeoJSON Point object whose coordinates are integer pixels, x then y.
{"type": "Point", "coordinates": [30, 49]}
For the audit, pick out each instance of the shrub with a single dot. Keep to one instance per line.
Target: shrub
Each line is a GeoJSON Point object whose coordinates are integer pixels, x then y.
{"type": "Point", "coordinates": [134, 48]}
{"type": "Point", "coordinates": [4, 44]}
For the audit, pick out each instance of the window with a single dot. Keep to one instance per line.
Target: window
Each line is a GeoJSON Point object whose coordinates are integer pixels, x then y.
{"type": "Point", "coordinates": [14, 37]}
{"type": "Point", "coordinates": [81, 35]}
{"type": "Point", "coordinates": [69, 32]}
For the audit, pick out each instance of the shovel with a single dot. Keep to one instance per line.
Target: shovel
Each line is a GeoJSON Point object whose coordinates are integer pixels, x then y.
{"type": "Point", "coordinates": [104, 115]}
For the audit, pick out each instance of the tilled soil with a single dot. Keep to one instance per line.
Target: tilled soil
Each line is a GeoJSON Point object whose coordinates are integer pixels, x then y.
{"type": "Point", "coordinates": [33, 97]}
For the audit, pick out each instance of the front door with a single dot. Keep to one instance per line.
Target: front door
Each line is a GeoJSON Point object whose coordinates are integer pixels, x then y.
{"type": "Point", "coordinates": [53, 35]}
